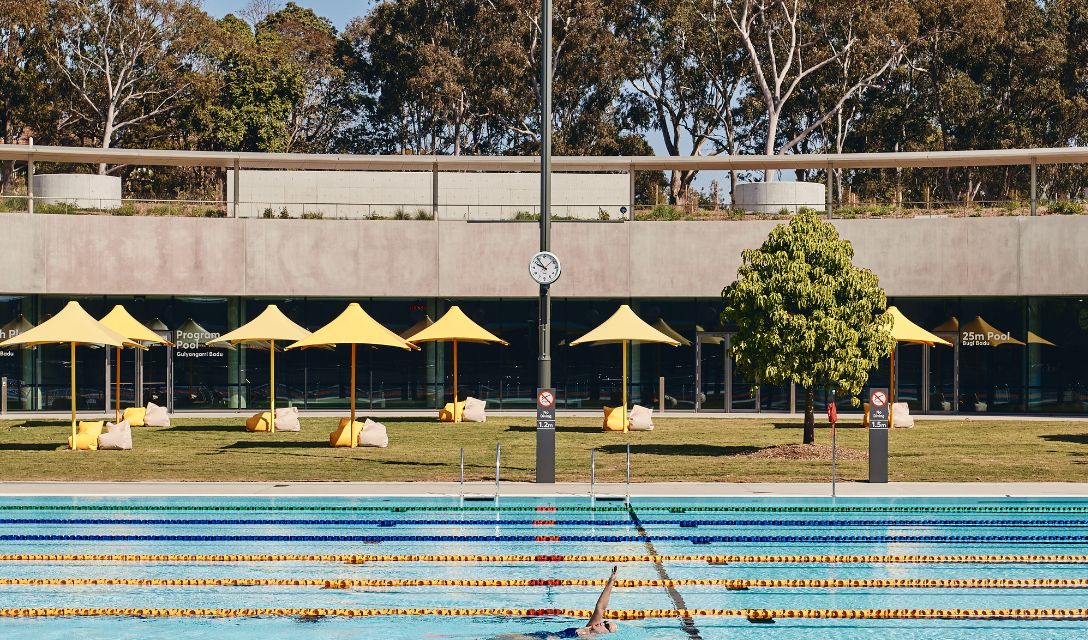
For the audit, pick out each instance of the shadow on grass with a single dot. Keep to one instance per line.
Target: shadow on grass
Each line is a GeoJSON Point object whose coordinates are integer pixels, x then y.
{"type": "Point", "coordinates": [681, 449]}
{"type": "Point", "coordinates": [1072, 438]}
{"type": "Point", "coordinates": [237, 428]}
{"type": "Point", "coordinates": [41, 423]}
{"type": "Point", "coordinates": [819, 425]}
{"type": "Point", "coordinates": [32, 446]}
{"type": "Point", "coordinates": [532, 429]}
{"type": "Point", "coordinates": [279, 444]}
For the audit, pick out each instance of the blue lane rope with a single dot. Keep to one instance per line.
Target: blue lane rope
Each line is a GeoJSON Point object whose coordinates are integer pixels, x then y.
{"type": "Point", "coordinates": [1060, 539]}
{"type": "Point", "coordinates": [558, 523]}
{"type": "Point", "coordinates": [1081, 509]}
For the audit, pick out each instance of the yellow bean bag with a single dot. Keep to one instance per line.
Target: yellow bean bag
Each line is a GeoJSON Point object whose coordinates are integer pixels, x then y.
{"type": "Point", "coordinates": [613, 418]}
{"type": "Point", "coordinates": [87, 435]}
{"type": "Point", "coordinates": [342, 437]}
{"type": "Point", "coordinates": [446, 413]}
{"type": "Point", "coordinates": [865, 415]}
{"type": "Point", "coordinates": [135, 416]}
{"type": "Point", "coordinates": [259, 422]}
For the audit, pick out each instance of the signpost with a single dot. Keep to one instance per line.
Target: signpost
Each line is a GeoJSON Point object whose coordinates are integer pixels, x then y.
{"type": "Point", "coordinates": [545, 435]}
{"type": "Point", "coordinates": [879, 421]}
{"type": "Point", "coordinates": [545, 438]}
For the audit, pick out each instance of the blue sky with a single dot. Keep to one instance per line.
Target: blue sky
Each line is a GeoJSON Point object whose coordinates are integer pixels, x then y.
{"type": "Point", "coordinates": [339, 11]}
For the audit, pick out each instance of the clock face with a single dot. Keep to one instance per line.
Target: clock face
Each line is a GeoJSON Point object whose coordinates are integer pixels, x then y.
{"type": "Point", "coordinates": [544, 267]}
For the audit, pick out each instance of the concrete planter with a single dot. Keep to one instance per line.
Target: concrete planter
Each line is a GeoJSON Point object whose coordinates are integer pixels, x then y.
{"type": "Point", "coordinates": [82, 190]}
{"type": "Point", "coordinates": [773, 197]}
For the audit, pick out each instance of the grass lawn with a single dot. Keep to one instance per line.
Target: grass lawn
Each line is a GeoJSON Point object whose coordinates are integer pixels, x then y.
{"type": "Point", "coordinates": [686, 448]}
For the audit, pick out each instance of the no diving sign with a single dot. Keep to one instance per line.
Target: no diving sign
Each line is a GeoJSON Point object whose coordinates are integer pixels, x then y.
{"type": "Point", "coordinates": [878, 409]}
{"type": "Point", "coordinates": [545, 409]}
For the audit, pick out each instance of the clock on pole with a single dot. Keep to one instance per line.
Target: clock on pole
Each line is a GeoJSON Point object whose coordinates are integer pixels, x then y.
{"type": "Point", "coordinates": [544, 267]}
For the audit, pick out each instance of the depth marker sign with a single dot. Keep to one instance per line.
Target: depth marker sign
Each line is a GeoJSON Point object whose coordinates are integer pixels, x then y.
{"type": "Point", "coordinates": [545, 435]}
{"type": "Point", "coordinates": [879, 419]}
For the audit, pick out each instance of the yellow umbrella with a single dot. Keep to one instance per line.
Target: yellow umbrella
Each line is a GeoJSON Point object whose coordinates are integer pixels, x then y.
{"type": "Point", "coordinates": [623, 327]}
{"type": "Point", "coordinates": [353, 326]}
{"type": "Point", "coordinates": [416, 328]}
{"type": "Point", "coordinates": [73, 326]}
{"type": "Point", "coordinates": [121, 322]}
{"type": "Point", "coordinates": [456, 327]}
{"type": "Point", "coordinates": [664, 328]}
{"type": "Point", "coordinates": [903, 330]}
{"type": "Point", "coordinates": [1034, 338]}
{"type": "Point", "coordinates": [18, 325]}
{"type": "Point", "coordinates": [988, 333]}
{"type": "Point", "coordinates": [269, 326]}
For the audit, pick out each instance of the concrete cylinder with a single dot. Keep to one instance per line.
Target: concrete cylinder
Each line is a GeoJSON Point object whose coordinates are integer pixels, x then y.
{"type": "Point", "coordinates": [774, 197]}
{"type": "Point", "coordinates": [81, 190]}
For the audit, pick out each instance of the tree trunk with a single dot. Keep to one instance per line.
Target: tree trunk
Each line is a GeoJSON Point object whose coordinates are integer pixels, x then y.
{"type": "Point", "coordinates": [810, 419]}
{"type": "Point", "coordinates": [7, 173]}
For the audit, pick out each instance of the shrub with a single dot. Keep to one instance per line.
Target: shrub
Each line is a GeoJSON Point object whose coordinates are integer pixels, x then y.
{"type": "Point", "coordinates": [602, 214]}
{"type": "Point", "coordinates": [268, 213]}
{"type": "Point", "coordinates": [526, 215]}
{"type": "Point", "coordinates": [126, 209]}
{"type": "Point", "coordinates": [423, 214]}
{"type": "Point", "coordinates": [664, 212]}
{"type": "Point", "coordinates": [401, 214]}
{"type": "Point", "coordinates": [1065, 208]}
{"type": "Point", "coordinates": [312, 215]}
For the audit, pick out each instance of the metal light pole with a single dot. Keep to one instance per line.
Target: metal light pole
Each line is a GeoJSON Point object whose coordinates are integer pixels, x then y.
{"type": "Point", "coordinates": [545, 440]}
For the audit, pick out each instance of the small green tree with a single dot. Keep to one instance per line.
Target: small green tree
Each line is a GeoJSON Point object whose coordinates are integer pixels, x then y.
{"type": "Point", "coordinates": [805, 314]}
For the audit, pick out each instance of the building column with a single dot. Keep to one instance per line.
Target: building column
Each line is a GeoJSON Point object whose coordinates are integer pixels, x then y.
{"type": "Point", "coordinates": [1034, 189]}
{"type": "Point", "coordinates": [235, 197]}
{"type": "Point", "coordinates": [631, 194]}
{"type": "Point", "coordinates": [236, 359]}
{"type": "Point", "coordinates": [829, 191]}
{"type": "Point", "coordinates": [434, 191]}
{"type": "Point", "coordinates": [30, 186]}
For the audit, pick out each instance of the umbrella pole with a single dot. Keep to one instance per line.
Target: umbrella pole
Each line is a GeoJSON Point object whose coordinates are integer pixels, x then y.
{"type": "Point", "coordinates": [117, 389]}
{"type": "Point", "coordinates": [351, 426]}
{"type": "Point", "coordinates": [625, 386]}
{"type": "Point", "coordinates": [272, 386]}
{"type": "Point", "coordinates": [456, 413]}
{"type": "Point", "coordinates": [73, 353]}
{"type": "Point", "coordinates": [891, 388]}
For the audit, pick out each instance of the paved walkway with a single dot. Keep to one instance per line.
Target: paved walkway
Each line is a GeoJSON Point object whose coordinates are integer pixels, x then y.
{"type": "Point", "coordinates": [577, 489]}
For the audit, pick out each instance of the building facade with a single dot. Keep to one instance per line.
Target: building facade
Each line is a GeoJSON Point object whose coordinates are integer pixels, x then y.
{"type": "Point", "coordinates": [1009, 292]}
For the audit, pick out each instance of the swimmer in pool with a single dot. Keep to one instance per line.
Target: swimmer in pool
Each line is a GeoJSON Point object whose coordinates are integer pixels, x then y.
{"type": "Point", "coordinates": [596, 626]}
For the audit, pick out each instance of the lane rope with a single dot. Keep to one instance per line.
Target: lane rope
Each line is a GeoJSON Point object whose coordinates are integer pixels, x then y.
{"type": "Point", "coordinates": [554, 509]}
{"type": "Point", "coordinates": [538, 558]}
{"type": "Point", "coordinates": [728, 583]}
{"type": "Point", "coordinates": [554, 523]}
{"type": "Point", "coordinates": [753, 615]}
{"type": "Point", "coordinates": [806, 539]}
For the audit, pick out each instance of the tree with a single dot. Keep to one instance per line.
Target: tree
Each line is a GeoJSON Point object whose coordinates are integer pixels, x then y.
{"type": "Point", "coordinates": [789, 41]}
{"type": "Point", "coordinates": [25, 98]}
{"type": "Point", "coordinates": [805, 314]}
{"type": "Point", "coordinates": [124, 62]}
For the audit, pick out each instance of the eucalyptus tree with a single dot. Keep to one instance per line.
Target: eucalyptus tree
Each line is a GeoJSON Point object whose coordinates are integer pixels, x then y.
{"type": "Point", "coordinates": [804, 313]}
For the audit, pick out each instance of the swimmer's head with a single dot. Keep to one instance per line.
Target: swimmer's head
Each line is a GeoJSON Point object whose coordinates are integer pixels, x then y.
{"type": "Point", "coordinates": [606, 626]}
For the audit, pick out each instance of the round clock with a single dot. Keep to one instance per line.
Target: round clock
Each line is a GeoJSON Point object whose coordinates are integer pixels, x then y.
{"type": "Point", "coordinates": [544, 267]}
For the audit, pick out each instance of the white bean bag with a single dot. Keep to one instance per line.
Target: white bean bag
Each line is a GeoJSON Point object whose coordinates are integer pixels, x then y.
{"type": "Point", "coordinates": [640, 418]}
{"type": "Point", "coordinates": [474, 410]}
{"type": "Point", "coordinates": [117, 437]}
{"type": "Point", "coordinates": [373, 435]}
{"type": "Point", "coordinates": [901, 417]}
{"type": "Point", "coordinates": [287, 419]}
{"type": "Point", "coordinates": [156, 416]}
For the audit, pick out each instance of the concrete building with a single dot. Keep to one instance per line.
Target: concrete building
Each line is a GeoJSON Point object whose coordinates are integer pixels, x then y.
{"type": "Point", "coordinates": [1027, 276]}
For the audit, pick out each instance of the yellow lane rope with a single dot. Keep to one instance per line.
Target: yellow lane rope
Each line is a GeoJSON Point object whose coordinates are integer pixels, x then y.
{"type": "Point", "coordinates": [730, 583]}
{"type": "Point", "coordinates": [754, 615]}
{"type": "Point", "coordinates": [711, 559]}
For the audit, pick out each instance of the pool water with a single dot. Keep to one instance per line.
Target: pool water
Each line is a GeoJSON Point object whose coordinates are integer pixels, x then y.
{"type": "Point", "coordinates": [664, 527]}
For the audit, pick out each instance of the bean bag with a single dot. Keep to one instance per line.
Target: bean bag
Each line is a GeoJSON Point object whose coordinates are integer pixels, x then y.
{"type": "Point", "coordinates": [373, 435]}
{"type": "Point", "coordinates": [446, 414]}
{"type": "Point", "coordinates": [901, 418]}
{"type": "Point", "coordinates": [342, 437]}
{"type": "Point", "coordinates": [613, 418]}
{"type": "Point", "coordinates": [156, 416]}
{"type": "Point", "coordinates": [640, 418]}
{"type": "Point", "coordinates": [474, 410]}
{"type": "Point", "coordinates": [87, 435]}
{"type": "Point", "coordinates": [117, 437]}
{"type": "Point", "coordinates": [259, 422]}
{"type": "Point", "coordinates": [287, 419]}
{"type": "Point", "coordinates": [134, 416]}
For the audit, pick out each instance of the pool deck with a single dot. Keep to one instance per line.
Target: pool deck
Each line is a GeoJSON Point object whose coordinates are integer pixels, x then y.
{"type": "Point", "coordinates": [567, 489]}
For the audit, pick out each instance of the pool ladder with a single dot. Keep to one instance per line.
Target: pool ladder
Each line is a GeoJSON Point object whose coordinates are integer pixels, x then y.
{"type": "Point", "coordinates": [593, 479]}
{"type": "Point", "coordinates": [498, 464]}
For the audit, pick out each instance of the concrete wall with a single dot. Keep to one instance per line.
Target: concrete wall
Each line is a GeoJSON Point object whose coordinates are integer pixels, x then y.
{"type": "Point", "coordinates": [461, 196]}
{"type": "Point", "coordinates": [774, 197]}
{"type": "Point", "coordinates": [83, 190]}
{"type": "Point", "coordinates": [60, 254]}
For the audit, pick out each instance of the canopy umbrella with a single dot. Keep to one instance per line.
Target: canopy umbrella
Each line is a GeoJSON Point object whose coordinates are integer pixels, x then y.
{"type": "Point", "coordinates": [903, 330]}
{"type": "Point", "coordinates": [72, 326]}
{"type": "Point", "coordinates": [265, 329]}
{"type": "Point", "coordinates": [985, 332]}
{"type": "Point", "coordinates": [455, 327]}
{"type": "Point", "coordinates": [353, 326]}
{"type": "Point", "coordinates": [1034, 338]}
{"type": "Point", "coordinates": [416, 328]}
{"type": "Point", "coordinates": [664, 328]}
{"type": "Point", "coordinates": [18, 325]}
{"type": "Point", "coordinates": [121, 322]}
{"type": "Point", "coordinates": [623, 327]}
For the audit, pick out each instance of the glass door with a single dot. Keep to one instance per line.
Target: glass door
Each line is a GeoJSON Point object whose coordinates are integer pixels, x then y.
{"type": "Point", "coordinates": [718, 386]}
{"type": "Point", "coordinates": [942, 370]}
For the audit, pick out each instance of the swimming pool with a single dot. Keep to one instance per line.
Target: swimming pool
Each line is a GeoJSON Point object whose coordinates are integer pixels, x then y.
{"type": "Point", "coordinates": [723, 557]}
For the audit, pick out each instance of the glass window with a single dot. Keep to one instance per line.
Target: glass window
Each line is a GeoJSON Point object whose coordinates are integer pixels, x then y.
{"type": "Point", "coordinates": [19, 365]}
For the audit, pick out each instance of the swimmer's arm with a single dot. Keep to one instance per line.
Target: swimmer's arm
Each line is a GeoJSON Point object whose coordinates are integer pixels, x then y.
{"type": "Point", "coordinates": [602, 601]}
